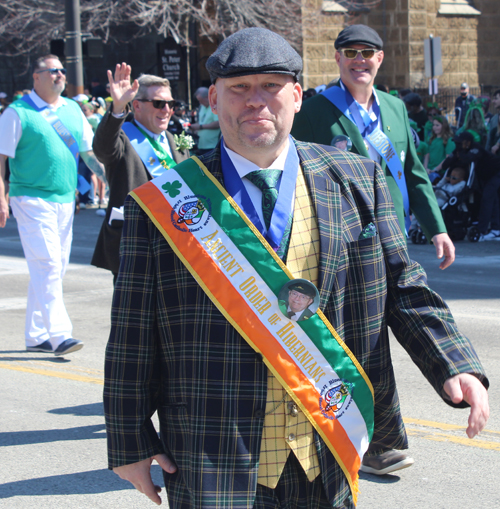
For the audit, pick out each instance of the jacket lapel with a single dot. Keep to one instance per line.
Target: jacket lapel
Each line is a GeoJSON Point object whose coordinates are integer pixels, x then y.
{"type": "Point", "coordinates": [212, 161]}
{"type": "Point", "coordinates": [325, 195]}
{"type": "Point", "coordinates": [178, 156]}
{"type": "Point", "coordinates": [350, 129]}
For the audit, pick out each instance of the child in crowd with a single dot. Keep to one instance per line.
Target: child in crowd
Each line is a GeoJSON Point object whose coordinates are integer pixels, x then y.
{"type": "Point", "coordinates": [450, 185]}
{"type": "Point", "coordinates": [440, 145]}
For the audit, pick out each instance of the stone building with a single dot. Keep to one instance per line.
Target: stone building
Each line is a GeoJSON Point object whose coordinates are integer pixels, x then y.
{"type": "Point", "coordinates": [469, 33]}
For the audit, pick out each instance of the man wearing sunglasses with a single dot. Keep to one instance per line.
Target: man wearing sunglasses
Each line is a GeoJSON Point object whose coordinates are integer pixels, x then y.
{"type": "Point", "coordinates": [44, 134]}
{"type": "Point", "coordinates": [132, 152]}
{"type": "Point", "coordinates": [375, 122]}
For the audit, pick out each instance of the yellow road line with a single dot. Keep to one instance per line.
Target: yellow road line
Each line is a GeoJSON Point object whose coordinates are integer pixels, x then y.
{"type": "Point", "coordinates": [445, 437]}
{"type": "Point", "coordinates": [55, 374]}
{"type": "Point", "coordinates": [432, 424]}
{"type": "Point", "coordinates": [427, 434]}
{"type": "Point", "coordinates": [441, 425]}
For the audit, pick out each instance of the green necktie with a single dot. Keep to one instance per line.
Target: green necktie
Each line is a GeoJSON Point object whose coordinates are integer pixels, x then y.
{"type": "Point", "coordinates": [266, 181]}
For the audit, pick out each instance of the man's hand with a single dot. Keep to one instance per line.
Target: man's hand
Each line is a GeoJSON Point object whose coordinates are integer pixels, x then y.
{"type": "Point", "coordinates": [4, 205]}
{"type": "Point", "coordinates": [94, 165]}
{"type": "Point", "coordinates": [494, 148]}
{"type": "Point", "coordinates": [120, 88]}
{"type": "Point", "coordinates": [444, 247]}
{"type": "Point", "coordinates": [4, 211]}
{"type": "Point", "coordinates": [466, 387]}
{"type": "Point", "coordinates": [139, 474]}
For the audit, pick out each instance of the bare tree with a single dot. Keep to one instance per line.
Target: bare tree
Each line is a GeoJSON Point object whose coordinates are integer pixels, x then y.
{"type": "Point", "coordinates": [28, 25]}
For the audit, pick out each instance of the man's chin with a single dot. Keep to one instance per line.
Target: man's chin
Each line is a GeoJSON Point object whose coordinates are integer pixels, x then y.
{"type": "Point", "coordinates": [265, 139]}
{"type": "Point", "coordinates": [162, 126]}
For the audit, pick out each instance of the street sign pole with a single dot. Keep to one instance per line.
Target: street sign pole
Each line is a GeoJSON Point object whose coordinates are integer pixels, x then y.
{"type": "Point", "coordinates": [74, 48]}
{"type": "Point", "coordinates": [433, 63]}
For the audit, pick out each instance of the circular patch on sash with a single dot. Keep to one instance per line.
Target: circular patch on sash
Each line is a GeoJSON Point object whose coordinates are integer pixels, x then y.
{"type": "Point", "coordinates": [335, 398]}
{"type": "Point", "coordinates": [191, 213]}
{"type": "Point", "coordinates": [298, 300]}
{"type": "Point", "coordinates": [342, 142]}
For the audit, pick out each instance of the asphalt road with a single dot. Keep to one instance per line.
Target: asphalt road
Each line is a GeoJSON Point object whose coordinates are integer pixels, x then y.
{"type": "Point", "coordinates": [52, 438]}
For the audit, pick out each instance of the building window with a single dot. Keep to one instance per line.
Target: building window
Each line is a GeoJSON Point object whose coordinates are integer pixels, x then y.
{"type": "Point", "coordinates": [458, 8]}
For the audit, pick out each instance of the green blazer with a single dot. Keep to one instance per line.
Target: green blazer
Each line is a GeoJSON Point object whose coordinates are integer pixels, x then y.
{"type": "Point", "coordinates": [319, 121]}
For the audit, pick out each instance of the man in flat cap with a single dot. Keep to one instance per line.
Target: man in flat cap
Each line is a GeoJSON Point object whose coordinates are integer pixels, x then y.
{"type": "Point", "coordinates": [377, 124]}
{"type": "Point", "coordinates": [257, 410]}
{"type": "Point", "coordinates": [297, 304]}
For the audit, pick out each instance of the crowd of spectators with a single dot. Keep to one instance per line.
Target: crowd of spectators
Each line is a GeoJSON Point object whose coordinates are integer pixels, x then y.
{"type": "Point", "coordinates": [435, 134]}
{"type": "Point", "coordinates": [466, 138]}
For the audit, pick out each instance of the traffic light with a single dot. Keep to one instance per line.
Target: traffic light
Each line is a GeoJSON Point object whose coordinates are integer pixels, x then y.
{"type": "Point", "coordinates": [92, 48]}
{"type": "Point", "coordinates": [57, 47]}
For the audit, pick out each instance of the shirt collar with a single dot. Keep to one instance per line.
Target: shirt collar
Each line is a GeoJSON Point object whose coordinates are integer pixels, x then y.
{"type": "Point", "coordinates": [244, 166]}
{"type": "Point", "coordinates": [374, 92]}
{"type": "Point", "coordinates": [40, 103]}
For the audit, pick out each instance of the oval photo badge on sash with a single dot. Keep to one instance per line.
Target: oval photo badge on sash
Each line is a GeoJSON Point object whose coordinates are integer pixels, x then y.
{"type": "Point", "coordinates": [342, 142]}
{"type": "Point", "coordinates": [298, 300]}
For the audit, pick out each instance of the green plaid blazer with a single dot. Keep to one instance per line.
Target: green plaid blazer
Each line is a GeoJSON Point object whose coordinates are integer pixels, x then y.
{"type": "Point", "coordinates": [171, 351]}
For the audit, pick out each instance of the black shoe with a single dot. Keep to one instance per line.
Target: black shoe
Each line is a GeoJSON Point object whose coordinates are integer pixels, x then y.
{"type": "Point", "coordinates": [44, 347]}
{"type": "Point", "coordinates": [68, 346]}
{"type": "Point", "coordinates": [385, 463]}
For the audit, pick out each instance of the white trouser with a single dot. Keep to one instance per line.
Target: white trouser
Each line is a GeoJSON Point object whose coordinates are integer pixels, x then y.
{"type": "Point", "coordinates": [46, 231]}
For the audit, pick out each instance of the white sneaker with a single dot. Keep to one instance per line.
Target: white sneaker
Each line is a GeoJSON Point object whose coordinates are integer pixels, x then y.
{"type": "Point", "coordinates": [493, 235]}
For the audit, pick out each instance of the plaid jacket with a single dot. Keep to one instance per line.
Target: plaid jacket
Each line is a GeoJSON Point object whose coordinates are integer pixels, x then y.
{"type": "Point", "coordinates": [171, 351]}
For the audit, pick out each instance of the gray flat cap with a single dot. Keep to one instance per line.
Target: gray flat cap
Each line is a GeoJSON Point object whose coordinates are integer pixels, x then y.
{"type": "Point", "coordinates": [254, 51]}
{"type": "Point", "coordinates": [358, 34]}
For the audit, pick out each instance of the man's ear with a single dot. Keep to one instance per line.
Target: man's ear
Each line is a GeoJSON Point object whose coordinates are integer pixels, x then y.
{"type": "Point", "coordinates": [212, 98]}
{"type": "Point", "coordinates": [297, 96]}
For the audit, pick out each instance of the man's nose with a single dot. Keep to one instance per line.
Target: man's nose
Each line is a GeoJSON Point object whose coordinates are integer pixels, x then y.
{"type": "Point", "coordinates": [256, 98]}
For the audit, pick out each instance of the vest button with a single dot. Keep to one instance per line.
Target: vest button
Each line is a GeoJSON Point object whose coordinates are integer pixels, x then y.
{"type": "Point", "coordinates": [259, 414]}
{"type": "Point", "coordinates": [292, 409]}
{"type": "Point", "coordinates": [291, 437]}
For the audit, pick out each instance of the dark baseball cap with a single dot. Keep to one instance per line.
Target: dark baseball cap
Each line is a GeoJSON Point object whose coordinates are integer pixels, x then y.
{"type": "Point", "coordinates": [358, 34]}
{"type": "Point", "coordinates": [254, 51]}
{"type": "Point", "coordinates": [463, 136]}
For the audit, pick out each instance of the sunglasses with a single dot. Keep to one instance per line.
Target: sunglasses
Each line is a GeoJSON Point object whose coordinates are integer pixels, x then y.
{"type": "Point", "coordinates": [52, 71]}
{"type": "Point", "coordinates": [352, 53]}
{"type": "Point", "coordinates": [159, 104]}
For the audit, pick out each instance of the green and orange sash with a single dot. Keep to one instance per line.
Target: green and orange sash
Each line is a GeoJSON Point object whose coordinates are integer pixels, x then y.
{"type": "Point", "coordinates": [243, 276]}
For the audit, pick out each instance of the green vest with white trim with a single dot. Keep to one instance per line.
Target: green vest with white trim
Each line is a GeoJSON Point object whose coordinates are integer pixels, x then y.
{"type": "Point", "coordinates": [44, 167]}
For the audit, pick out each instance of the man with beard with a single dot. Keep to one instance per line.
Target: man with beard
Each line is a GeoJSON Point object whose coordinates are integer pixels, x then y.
{"type": "Point", "coordinates": [43, 134]}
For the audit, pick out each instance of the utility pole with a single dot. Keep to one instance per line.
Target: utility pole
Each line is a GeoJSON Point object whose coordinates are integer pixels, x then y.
{"type": "Point", "coordinates": [73, 48]}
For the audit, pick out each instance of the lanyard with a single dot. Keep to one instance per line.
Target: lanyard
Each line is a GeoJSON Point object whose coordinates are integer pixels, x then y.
{"type": "Point", "coordinates": [343, 100]}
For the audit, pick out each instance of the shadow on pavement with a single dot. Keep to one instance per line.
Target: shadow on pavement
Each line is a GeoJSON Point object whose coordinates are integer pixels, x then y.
{"type": "Point", "coordinates": [94, 481]}
{"type": "Point", "coordinates": [32, 357]}
{"type": "Point", "coordinates": [79, 483]}
{"type": "Point", "coordinates": [12, 438]}
{"type": "Point", "coordinates": [79, 410]}
{"type": "Point", "coordinates": [379, 479]}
